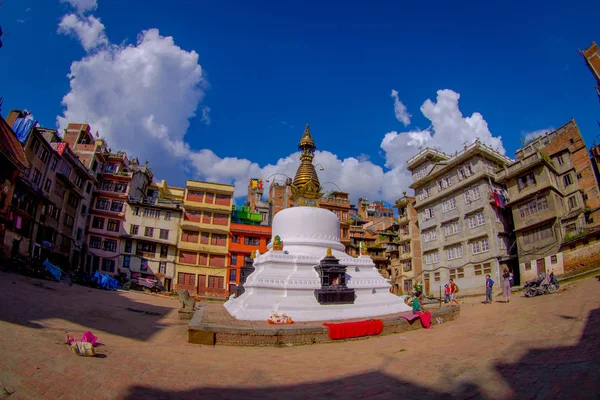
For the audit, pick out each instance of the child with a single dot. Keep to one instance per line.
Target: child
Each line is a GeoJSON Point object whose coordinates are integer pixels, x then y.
{"type": "Point", "coordinates": [446, 294]}
{"type": "Point", "coordinates": [489, 284]}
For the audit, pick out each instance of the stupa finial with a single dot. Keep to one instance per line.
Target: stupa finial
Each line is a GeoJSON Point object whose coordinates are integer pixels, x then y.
{"type": "Point", "coordinates": [306, 183]}
{"type": "Point", "coordinates": [329, 254]}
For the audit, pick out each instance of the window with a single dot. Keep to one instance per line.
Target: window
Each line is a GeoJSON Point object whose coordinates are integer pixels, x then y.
{"type": "Point", "coordinates": [108, 265]}
{"type": "Point", "coordinates": [35, 145]}
{"type": "Point", "coordinates": [164, 234]}
{"type": "Point", "coordinates": [501, 242]}
{"type": "Point", "coordinates": [560, 160]}
{"type": "Point", "coordinates": [216, 261]}
{"type": "Point", "coordinates": [88, 188]}
{"type": "Point", "coordinates": [98, 223]}
{"type": "Point", "coordinates": [134, 229]}
{"type": "Point", "coordinates": [44, 154]}
{"type": "Point", "coordinates": [83, 209]}
{"type": "Point", "coordinates": [526, 181]}
{"type": "Point", "coordinates": [116, 206]}
{"type": "Point", "coordinates": [475, 193]}
{"type": "Point", "coordinates": [95, 165]}
{"type": "Point", "coordinates": [136, 211]}
{"type": "Point", "coordinates": [36, 177]}
{"type": "Point", "coordinates": [186, 279]}
{"type": "Point", "coordinates": [251, 241]}
{"type": "Point", "coordinates": [78, 181]}
{"type": "Point", "coordinates": [432, 258]}
{"type": "Point", "coordinates": [428, 214]}
{"type": "Point", "coordinates": [120, 187]}
{"type": "Point", "coordinates": [102, 204]}
{"type": "Point", "coordinates": [451, 228]}
{"type": "Point", "coordinates": [454, 252]}
{"type": "Point", "coordinates": [567, 180]}
{"type": "Point", "coordinates": [480, 246]}
{"type": "Point", "coordinates": [126, 261]}
{"type": "Point", "coordinates": [164, 251]}
{"type": "Point", "coordinates": [110, 245]}
{"type": "Point", "coordinates": [113, 225]}
{"type": "Point", "coordinates": [478, 269]}
{"type": "Point", "coordinates": [73, 200]}
{"type": "Point", "coordinates": [53, 164]}
{"type": "Point", "coordinates": [128, 246]}
{"type": "Point", "coordinates": [449, 204]}
{"type": "Point", "coordinates": [54, 212]}
{"type": "Point", "coordinates": [579, 176]}
{"type": "Point", "coordinates": [553, 260]}
{"type": "Point", "coordinates": [487, 268]}
{"type": "Point", "coordinates": [223, 200]}
{"type": "Point", "coordinates": [218, 240]}
{"type": "Point", "coordinates": [106, 185]}
{"type": "Point", "coordinates": [572, 202]}
{"type": "Point", "coordinates": [235, 239]}
{"type": "Point", "coordinates": [206, 217]}
{"type": "Point", "coordinates": [149, 232]}
{"type": "Point", "coordinates": [168, 216]}
{"type": "Point", "coordinates": [571, 141]}
{"type": "Point", "coordinates": [429, 235]}
{"type": "Point", "coordinates": [143, 247]}
{"type": "Point", "coordinates": [59, 190]}
{"type": "Point", "coordinates": [148, 212]}
{"type": "Point", "coordinates": [79, 233]}
{"type": "Point", "coordinates": [232, 275]}
{"type": "Point", "coordinates": [204, 238]}
{"type": "Point", "coordinates": [420, 172]}
{"type": "Point", "coordinates": [536, 235]}
{"type": "Point", "coordinates": [425, 193]}
{"type": "Point", "coordinates": [144, 265]}
{"type": "Point", "coordinates": [189, 236]}
{"type": "Point", "coordinates": [233, 259]}
{"type": "Point", "coordinates": [528, 266]}
{"type": "Point", "coordinates": [533, 207]}
{"type": "Point", "coordinates": [221, 219]}
{"type": "Point", "coordinates": [69, 220]}
{"type": "Point", "coordinates": [452, 273]}
{"type": "Point", "coordinates": [476, 219]}
{"type": "Point", "coordinates": [95, 242]}
{"type": "Point", "coordinates": [162, 267]}
{"type": "Point", "coordinates": [194, 195]}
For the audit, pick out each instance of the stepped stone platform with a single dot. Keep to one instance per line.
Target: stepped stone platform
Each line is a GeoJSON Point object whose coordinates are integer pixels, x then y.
{"type": "Point", "coordinates": [212, 325]}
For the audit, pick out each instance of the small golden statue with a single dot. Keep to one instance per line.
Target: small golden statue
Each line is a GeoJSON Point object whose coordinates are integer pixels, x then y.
{"type": "Point", "coordinates": [277, 244]}
{"type": "Point", "coordinates": [329, 254]}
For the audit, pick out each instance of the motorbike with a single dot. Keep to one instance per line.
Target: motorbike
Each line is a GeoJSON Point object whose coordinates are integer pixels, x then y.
{"type": "Point", "coordinates": [542, 285]}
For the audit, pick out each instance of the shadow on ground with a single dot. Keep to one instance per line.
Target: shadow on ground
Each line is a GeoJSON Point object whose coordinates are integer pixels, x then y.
{"type": "Point", "coordinates": [28, 302]}
{"type": "Point", "coordinates": [571, 372]}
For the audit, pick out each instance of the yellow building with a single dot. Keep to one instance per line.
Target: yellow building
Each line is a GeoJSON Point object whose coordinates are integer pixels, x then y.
{"type": "Point", "coordinates": [202, 247]}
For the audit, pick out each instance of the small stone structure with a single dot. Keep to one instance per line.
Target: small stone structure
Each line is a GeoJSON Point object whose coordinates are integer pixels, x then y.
{"type": "Point", "coordinates": [333, 288]}
{"type": "Point", "coordinates": [188, 305]}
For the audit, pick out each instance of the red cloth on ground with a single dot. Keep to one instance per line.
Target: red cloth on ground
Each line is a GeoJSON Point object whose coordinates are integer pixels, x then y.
{"type": "Point", "coordinates": [425, 319]}
{"type": "Point", "coordinates": [348, 330]}
{"type": "Point", "coordinates": [409, 317]}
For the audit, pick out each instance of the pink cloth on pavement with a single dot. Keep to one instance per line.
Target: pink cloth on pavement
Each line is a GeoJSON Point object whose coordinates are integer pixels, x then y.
{"type": "Point", "coordinates": [89, 337]}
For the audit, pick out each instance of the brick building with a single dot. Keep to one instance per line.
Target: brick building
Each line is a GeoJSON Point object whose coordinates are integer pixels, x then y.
{"type": "Point", "coordinates": [406, 261]}
{"type": "Point", "coordinates": [339, 204]}
{"type": "Point", "coordinates": [591, 55]}
{"type": "Point", "coordinates": [554, 198]}
{"type": "Point", "coordinates": [203, 241]}
{"type": "Point", "coordinates": [245, 238]}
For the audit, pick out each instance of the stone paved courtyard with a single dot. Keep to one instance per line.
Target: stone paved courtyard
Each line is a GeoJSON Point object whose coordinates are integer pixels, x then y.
{"type": "Point", "coordinates": [545, 347]}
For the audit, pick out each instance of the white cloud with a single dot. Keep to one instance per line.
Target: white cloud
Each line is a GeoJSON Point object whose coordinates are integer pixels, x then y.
{"type": "Point", "coordinates": [529, 136]}
{"type": "Point", "coordinates": [82, 5]}
{"type": "Point", "coordinates": [400, 110]}
{"type": "Point", "coordinates": [206, 115]}
{"type": "Point", "coordinates": [141, 96]}
{"type": "Point", "coordinates": [89, 30]}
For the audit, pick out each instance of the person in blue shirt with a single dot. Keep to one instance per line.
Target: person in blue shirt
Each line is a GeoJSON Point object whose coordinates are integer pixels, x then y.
{"type": "Point", "coordinates": [489, 284]}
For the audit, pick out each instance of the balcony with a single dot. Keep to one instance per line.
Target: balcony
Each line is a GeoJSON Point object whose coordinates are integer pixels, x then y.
{"type": "Point", "coordinates": [521, 166]}
{"type": "Point", "coordinates": [197, 225]}
{"type": "Point", "coordinates": [402, 219]}
{"type": "Point", "coordinates": [202, 248]}
{"type": "Point", "coordinates": [225, 209]}
{"type": "Point", "coordinates": [333, 201]}
{"type": "Point", "coordinates": [159, 202]}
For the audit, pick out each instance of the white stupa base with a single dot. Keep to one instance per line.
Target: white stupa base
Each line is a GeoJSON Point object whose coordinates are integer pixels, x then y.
{"type": "Point", "coordinates": [285, 281]}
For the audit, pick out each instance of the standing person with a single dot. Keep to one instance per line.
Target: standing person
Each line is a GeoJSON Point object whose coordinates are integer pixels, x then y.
{"type": "Point", "coordinates": [489, 284]}
{"type": "Point", "coordinates": [453, 291]}
{"type": "Point", "coordinates": [446, 294]}
{"type": "Point", "coordinates": [506, 277]}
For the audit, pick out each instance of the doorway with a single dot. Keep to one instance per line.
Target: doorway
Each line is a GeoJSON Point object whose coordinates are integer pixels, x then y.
{"type": "Point", "coordinates": [541, 266]}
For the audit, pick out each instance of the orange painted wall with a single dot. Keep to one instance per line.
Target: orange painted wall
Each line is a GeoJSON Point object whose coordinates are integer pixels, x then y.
{"type": "Point", "coordinates": [239, 249]}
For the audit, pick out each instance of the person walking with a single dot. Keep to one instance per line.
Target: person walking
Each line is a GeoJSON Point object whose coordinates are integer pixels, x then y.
{"type": "Point", "coordinates": [489, 284]}
{"type": "Point", "coordinates": [453, 291]}
{"type": "Point", "coordinates": [506, 278]}
{"type": "Point", "coordinates": [446, 294]}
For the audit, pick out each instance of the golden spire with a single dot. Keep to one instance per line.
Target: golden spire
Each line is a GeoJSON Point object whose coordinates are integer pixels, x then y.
{"type": "Point", "coordinates": [306, 182]}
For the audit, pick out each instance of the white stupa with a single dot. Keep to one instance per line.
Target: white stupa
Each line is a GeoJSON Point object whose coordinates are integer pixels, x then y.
{"type": "Point", "coordinates": [285, 280]}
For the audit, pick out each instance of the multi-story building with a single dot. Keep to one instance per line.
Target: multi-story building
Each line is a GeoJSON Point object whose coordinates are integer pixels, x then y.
{"type": "Point", "coordinates": [279, 196]}
{"type": "Point", "coordinates": [150, 233]}
{"type": "Point", "coordinates": [203, 243]}
{"type": "Point", "coordinates": [591, 55]}
{"type": "Point", "coordinates": [245, 237]}
{"type": "Point", "coordinates": [464, 234]}
{"type": "Point", "coordinates": [554, 198]}
{"type": "Point", "coordinates": [379, 215]}
{"type": "Point", "coordinates": [256, 203]}
{"type": "Point", "coordinates": [406, 266]}
{"type": "Point", "coordinates": [121, 178]}
{"type": "Point", "coordinates": [12, 163]}
{"type": "Point", "coordinates": [93, 154]}
{"type": "Point", "coordinates": [339, 204]}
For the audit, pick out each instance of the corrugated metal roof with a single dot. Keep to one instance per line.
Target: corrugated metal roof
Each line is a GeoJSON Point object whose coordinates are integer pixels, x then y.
{"type": "Point", "coordinates": [11, 147]}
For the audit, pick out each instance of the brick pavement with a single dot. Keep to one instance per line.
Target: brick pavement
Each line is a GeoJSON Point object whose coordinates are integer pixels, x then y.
{"type": "Point", "coordinates": [544, 347]}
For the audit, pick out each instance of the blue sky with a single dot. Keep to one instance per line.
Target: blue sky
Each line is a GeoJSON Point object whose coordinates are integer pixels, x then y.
{"type": "Point", "coordinates": [268, 68]}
